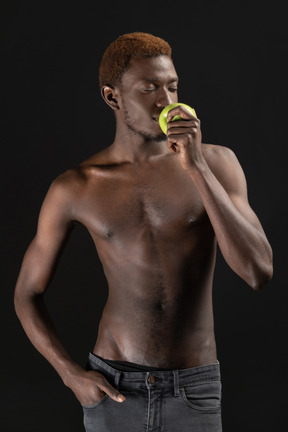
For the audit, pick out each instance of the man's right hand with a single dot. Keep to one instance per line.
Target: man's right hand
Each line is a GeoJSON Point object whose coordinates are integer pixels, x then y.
{"type": "Point", "coordinates": [90, 387]}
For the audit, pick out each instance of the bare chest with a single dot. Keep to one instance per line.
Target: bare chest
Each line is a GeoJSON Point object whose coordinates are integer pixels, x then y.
{"type": "Point", "coordinates": [159, 201]}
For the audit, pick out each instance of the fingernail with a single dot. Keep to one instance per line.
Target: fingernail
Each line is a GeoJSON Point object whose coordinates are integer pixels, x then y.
{"type": "Point", "coordinates": [121, 398]}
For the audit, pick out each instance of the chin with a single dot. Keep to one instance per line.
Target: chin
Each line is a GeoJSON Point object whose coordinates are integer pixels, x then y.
{"type": "Point", "coordinates": [156, 137]}
{"type": "Point", "coordinates": [160, 137]}
{"type": "Point", "coordinates": [149, 135]}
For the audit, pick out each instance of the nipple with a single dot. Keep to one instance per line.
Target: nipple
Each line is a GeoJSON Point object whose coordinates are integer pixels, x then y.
{"type": "Point", "coordinates": [108, 233]}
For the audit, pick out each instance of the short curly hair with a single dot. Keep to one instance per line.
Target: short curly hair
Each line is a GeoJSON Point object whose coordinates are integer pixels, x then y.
{"type": "Point", "coordinates": [116, 58]}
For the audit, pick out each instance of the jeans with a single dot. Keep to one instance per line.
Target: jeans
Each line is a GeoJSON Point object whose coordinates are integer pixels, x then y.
{"type": "Point", "coordinates": [161, 401]}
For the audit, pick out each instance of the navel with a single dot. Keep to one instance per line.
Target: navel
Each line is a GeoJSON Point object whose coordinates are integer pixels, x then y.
{"type": "Point", "coordinates": [161, 306]}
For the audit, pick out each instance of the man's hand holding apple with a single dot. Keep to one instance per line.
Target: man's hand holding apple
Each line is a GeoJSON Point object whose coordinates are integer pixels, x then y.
{"type": "Point", "coordinates": [184, 136]}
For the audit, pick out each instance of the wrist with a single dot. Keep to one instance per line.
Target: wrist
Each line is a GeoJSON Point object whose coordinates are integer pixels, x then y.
{"type": "Point", "coordinates": [198, 166]}
{"type": "Point", "coordinates": [68, 371]}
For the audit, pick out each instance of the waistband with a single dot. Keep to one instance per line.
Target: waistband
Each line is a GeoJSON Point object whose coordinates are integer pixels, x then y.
{"type": "Point", "coordinates": [164, 379]}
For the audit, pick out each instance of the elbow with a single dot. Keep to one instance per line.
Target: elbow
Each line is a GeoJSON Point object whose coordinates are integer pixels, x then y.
{"type": "Point", "coordinates": [261, 277]}
{"type": "Point", "coordinates": [22, 302]}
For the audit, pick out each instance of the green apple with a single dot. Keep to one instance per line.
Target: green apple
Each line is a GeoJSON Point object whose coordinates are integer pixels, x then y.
{"type": "Point", "coordinates": [164, 112]}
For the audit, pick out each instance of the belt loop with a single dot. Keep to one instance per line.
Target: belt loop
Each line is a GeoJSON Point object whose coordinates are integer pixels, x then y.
{"type": "Point", "coordinates": [176, 383]}
{"type": "Point", "coordinates": [117, 378]}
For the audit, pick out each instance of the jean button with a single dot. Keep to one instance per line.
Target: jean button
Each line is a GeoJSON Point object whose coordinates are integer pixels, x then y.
{"type": "Point", "coordinates": [151, 379]}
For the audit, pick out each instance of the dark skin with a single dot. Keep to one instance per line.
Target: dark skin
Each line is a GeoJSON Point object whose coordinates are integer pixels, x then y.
{"type": "Point", "coordinates": [155, 207]}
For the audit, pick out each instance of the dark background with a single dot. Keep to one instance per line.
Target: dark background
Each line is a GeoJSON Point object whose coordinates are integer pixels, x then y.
{"type": "Point", "coordinates": [231, 59]}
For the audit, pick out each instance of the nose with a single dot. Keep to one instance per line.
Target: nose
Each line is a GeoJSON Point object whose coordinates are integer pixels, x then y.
{"type": "Point", "coordinates": [164, 98]}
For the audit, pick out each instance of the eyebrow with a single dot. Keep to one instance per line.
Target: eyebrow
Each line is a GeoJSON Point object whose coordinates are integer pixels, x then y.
{"type": "Point", "coordinates": [155, 80]}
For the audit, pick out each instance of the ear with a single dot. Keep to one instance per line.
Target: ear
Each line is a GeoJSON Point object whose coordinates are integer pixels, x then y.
{"type": "Point", "coordinates": [110, 96]}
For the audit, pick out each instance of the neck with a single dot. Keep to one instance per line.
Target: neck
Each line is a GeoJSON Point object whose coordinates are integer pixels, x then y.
{"type": "Point", "coordinates": [133, 147]}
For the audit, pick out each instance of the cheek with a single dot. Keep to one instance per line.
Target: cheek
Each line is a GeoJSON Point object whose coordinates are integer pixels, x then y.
{"type": "Point", "coordinates": [137, 111]}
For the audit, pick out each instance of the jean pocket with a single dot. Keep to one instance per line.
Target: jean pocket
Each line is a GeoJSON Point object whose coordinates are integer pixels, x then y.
{"type": "Point", "coordinates": [203, 396]}
{"type": "Point", "coordinates": [96, 404]}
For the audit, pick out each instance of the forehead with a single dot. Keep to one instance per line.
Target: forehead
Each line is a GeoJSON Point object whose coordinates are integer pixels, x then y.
{"type": "Point", "coordinates": [149, 68]}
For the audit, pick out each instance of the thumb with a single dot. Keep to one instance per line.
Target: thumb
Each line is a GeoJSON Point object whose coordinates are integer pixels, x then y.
{"type": "Point", "coordinates": [111, 391]}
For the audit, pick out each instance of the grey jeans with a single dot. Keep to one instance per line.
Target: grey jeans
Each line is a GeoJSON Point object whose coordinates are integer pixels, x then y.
{"type": "Point", "coordinates": [161, 401]}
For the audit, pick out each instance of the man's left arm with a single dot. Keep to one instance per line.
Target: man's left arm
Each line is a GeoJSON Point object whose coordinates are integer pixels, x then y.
{"type": "Point", "coordinates": [221, 184]}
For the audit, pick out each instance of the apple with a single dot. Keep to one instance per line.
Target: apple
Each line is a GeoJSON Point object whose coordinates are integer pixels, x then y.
{"type": "Point", "coordinates": [164, 112]}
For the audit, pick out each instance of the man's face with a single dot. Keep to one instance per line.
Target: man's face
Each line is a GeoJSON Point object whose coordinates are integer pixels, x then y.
{"type": "Point", "coordinates": [148, 85]}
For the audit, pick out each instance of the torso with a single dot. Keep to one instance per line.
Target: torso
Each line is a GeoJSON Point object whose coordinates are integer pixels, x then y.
{"type": "Point", "coordinates": [158, 249]}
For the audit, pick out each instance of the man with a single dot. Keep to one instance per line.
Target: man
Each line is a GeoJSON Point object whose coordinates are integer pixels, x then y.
{"type": "Point", "coordinates": [155, 207]}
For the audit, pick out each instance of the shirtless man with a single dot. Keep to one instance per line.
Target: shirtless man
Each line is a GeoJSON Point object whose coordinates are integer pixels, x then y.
{"type": "Point", "coordinates": [155, 207]}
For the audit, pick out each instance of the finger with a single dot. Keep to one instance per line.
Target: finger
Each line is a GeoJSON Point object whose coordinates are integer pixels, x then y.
{"type": "Point", "coordinates": [173, 147]}
{"type": "Point", "coordinates": [173, 144]}
{"type": "Point", "coordinates": [183, 123]}
{"type": "Point", "coordinates": [177, 141]}
{"type": "Point", "coordinates": [182, 130]}
{"type": "Point", "coordinates": [174, 135]}
{"type": "Point", "coordinates": [182, 111]}
{"type": "Point", "coordinates": [112, 392]}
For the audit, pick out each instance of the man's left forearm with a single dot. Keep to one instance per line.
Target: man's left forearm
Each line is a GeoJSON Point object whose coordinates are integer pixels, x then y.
{"type": "Point", "coordinates": [242, 242]}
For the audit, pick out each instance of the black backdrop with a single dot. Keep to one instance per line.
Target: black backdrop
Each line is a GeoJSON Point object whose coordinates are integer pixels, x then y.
{"type": "Point", "coordinates": [231, 59]}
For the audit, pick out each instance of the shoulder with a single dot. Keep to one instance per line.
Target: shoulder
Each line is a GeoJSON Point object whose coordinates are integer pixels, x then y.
{"type": "Point", "coordinates": [219, 155]}
{"type": "Point", "coordinates": [69, 186]}
{"type": "Point", "coordinates": [70, 182]}
{"type": "Point", "coordinates": [65, 191]}
{"type": "Point", "coordinates": [225, 165]}
{"type": "Point", "coordinates": [220, 158]}
{"type": "Point", "coordinates": [75, 179]}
